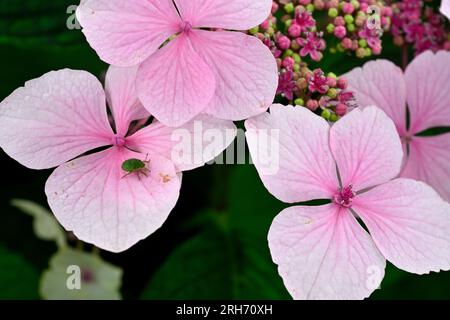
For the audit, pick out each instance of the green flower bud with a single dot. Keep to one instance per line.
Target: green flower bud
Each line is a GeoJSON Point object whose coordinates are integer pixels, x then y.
{"type": "Point", "coordinates": [254, 30]}
{"type": "Point", "coordinates": [348, 18]}
{"type": "Point", "coordinates": [333, 12]}
{"type": "Point", "coordinates": [362, 43]}
{"type": "Point", "coordinates": [351, 27]}
{"type": "Point", "coordinates": [310, 7]}
{"type": "Point", "coordinates": [299, 102]}
{"type": "Point", "coordinates": [289, 7]}
{"type": "Point", "coordinates": [332, 93]}
{"type": "Point", "coordinates": [330, 28]}
{"type": "Point", "coordinates": [334, 117]}
{"type": "Point", "coordinates": [326, 114]}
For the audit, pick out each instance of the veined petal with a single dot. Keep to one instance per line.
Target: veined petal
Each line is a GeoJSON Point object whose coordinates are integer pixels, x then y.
{"type": "Point", "coordinates": [122, 97]}
{"type": "Point", "coordinates": [54, 118]}
{"type": "Point", "coordinates": [175, 84]}
{"type": "Point", "coordinates": [189, 146]}
{"type": "Point", "coordinates": [427, 78]}
{"type": "Point", "coordinates": [290, 150]}
{"type": "Point", "coordinates": [381, 83]}
{"type": "Point", "coordinates": [429, 161]}
{"type": "Point", "coordinates": [227, 14]}
{"type": "Point", "coordinates": [367, 148]}
{"type": "Point", "coordinates": [125, 33]}
{"type": "Point", "coordinates": [409, 223]}
{"type": "Point", "coordinates": [91, 197]}
{"type": "Point", "coordinates": [245, 71]}
{"type": "Point", "coordinates": [323, 253]}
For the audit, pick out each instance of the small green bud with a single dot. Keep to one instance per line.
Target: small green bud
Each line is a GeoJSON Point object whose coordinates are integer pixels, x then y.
{"type": "Point", "coordinates": [310, 7]}
{"type": "Point", "coordinates": [326, 114]}
{"type": "Point", "coordinates": [299, 102]}
{"type": "Point", "coordinates": [296, 67]}
{"type": "Point", "coordinates": [351, 27]}
{"type": "Point", "coordinates": [332, 75]}
{"type": "Point", "coordinates": [254, 30]}
{"type": "Point", "coordinates": [348, 18]}
{"type": "Point", "coordinates": [334, 117]}
{"type": "Point", "coordinates": [368, 52]}
{"type": "Point", "coordinates": [333, 50]}
{"type": "Point", "coordinates": [330, 28]}
{"type": "Point", "coordinates": [355, 4]}
{"type": "Point", "coordinates": [288, 23]}
{"type": "Point", "coordinates": [362, 43]}
{"type": "Point", "coordinates": [333, 12]}
{"type": "Point", "coordinates": [296, 57]}
{"type": "Point", "coordinates": [332, 93]}
{"type": "Point", "coordinates": [289, 7]}
{"type": "Point", "coordinates": [288, 53]}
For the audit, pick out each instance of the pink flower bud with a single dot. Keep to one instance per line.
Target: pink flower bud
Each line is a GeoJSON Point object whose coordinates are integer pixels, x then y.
{"type": "Point", "coordinates": [312, 105]}
{"type": "Point", "coordinates": [341, 109]}
{"type": "Point", "coordinates": [295, 30]}
{"type": "Point", "coordinates": [340, 32]}
{"type": "Point", "coordinates": [283, 42]}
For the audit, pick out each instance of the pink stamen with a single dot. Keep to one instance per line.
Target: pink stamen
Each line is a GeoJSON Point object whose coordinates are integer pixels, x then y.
{"type": "Point", "coordinates": [118, 141]}
{"type": "Point", "coordinates": [185, 26]}
{"type": "Point", "coordinates": [345, 196]}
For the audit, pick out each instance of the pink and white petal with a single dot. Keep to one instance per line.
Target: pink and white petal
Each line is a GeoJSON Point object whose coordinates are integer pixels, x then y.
{"type": "Point", "coordinates": [245, 70]}
{"type": "Point", "coordinates": [367, 148]}
{"type": "Point", "coordinates": [227, 14]}
{"type": "Point", "coordinates": [54, 118]}
{"type": "Point", "coordinates": [125, 33]}
{"type": "Point", "coordinates": [289, 148]}
{"type": "Point", "coordinates": [175, 84]}
{"type": "Point", "coordinates": [409, 223]}
{"type": "Point", "coordinates": [189, 146]}
{"type": "Point", "coordinates": [323, 253]}
{"type": "Point", "coordinates": [427, 78]}
{"type": "Point", "coordinates": [122, 97]}
{"type": "Point", "coordinates": [380, 83]}
{"type": "Point", "coordinates": [429, 161]}
{"type": "Point", "coordinates": [445, 8]}
{"type": "Point", "coordinates": [91, 197]}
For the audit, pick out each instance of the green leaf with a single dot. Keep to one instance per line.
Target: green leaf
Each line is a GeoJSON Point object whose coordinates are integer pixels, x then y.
{"type": "Point", "coordinates": [229, 258]}
{"type": "Point", "coordinates": [218, 263]}
{"type": "Point", "coordinates": [18, 279]}
{"type": "Point", "coordinates": [37, 22]}
{"type": "Point", "coordinates": [44, 224]}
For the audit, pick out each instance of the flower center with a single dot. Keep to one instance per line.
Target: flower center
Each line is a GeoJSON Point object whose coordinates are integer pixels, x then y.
{"type": "Point", "coordinates": [345, 196]}
{"type": "Point", "coordinates": [118, 140]}
{"type": "Point", "coordinates": [185, 26]}
{"type": "Point", "coordinates": [87, 276]}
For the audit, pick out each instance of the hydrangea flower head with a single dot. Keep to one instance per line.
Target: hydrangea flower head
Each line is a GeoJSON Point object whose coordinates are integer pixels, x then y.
{"type": "Point", "coordinates": [423, 90]}
{"type": "Point", "coordinates": [63, 115]}
{"type": "Point", "coordinates": [323, 252]}
{"type": "Point", "coordinates": [226, 74]}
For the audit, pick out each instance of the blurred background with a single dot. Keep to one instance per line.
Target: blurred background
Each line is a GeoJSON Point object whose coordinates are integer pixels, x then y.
{"type": "Point", "coordinates": [213, 246]}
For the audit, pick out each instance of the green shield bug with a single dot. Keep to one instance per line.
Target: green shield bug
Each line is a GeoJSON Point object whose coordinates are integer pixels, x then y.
{"type": "Point", "coordinates": [139, 167]}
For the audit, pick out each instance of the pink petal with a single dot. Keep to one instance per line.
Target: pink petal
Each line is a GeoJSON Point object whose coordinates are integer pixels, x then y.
{"type": "Point", "coordinates": [381, 83]}
{"type": "Point", "coordinates": [189, 146]}
{"type": "Point", "coordinates": [125, 33]}
{"type": "Point", "coordinates": [54, 118]}
{"type": "Point", "coordinates": [227, 14]}
{"type": "Point", "coordinates": [409, 223]}
{"type": "Point", "coordinates": [289, 148]}
{"type": "Point", "coordinates": [445, 8]}
{"type": "Point", "coordinates": [122, 97]}
{"type": "Point", "coordinates": [323, 253]}
{"type": "Point", "coordinates": [366, 147]}
{"type": "Point", "coordinates": [91, 197]}
{"type": "Point", "coordinates": [429, 161]}
{"type": "Point", "coordinates": [175, 84]}
{"type": "Point", "coordinates": [245, 70]}
{"type": "Point", "coordinates": [427, 79]}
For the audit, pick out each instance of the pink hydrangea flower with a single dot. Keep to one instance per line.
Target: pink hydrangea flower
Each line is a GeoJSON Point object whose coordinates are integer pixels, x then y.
{"type": "Point", "coordinates": [445, 8]}
{"type": "Point", "coordinates": [322, 251]}
{"type": "Point", "coordinates": [229, 75]}
{"type": "Point", "coordinates": [424, 89]}
{"type": "Point", "coordinates": [63, 115]}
